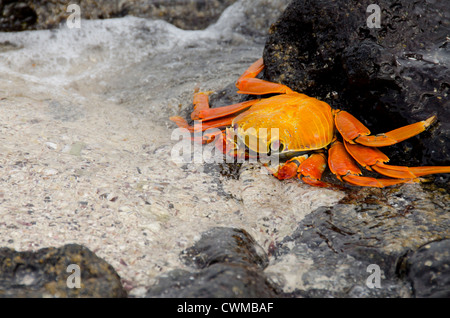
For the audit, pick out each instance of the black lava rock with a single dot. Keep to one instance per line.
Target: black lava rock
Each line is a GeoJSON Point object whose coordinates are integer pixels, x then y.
{"type": "Point", "coordinates": [46, 273]}
{"type": "Point", "coordinates": [372, 228]}
{"type": "Point", "coordinates": [428, 269]}
{"type": "Point", "coordinates": [216, 281]}
{"type": "Point", "coordinates": [16, 16]}
{"type": "Point", "coordinates": [231, 266]}
{"type": "Point", "coordinates": [46, 14]}
{"type": "Point", "coordinates": [225, 245]}
{"type": "Point", "coordinates": [387, 77]}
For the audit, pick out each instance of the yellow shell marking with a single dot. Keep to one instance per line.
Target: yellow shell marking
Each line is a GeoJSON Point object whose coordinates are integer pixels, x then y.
{"type": "Point", "coordinates": [303, 122]}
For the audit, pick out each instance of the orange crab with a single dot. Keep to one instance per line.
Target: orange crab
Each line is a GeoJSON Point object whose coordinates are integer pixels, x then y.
{"type": "Point", "coordinates": [307, 127]}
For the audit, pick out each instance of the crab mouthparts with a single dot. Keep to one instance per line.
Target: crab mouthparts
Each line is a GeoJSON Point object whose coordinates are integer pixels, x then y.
{"type": "Point", "coordinates": [234, 146]}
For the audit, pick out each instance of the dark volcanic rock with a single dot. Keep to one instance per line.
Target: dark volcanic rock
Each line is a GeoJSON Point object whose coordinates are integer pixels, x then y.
{"type": "Point", "coordinates": [44, 273]}
{"type": "Point", "coordinates": [231, 264]}
{"type": "Point", "coordinates": [45, 14]}
{"type": "Point", "coordinates": [225, 245]}
{"type": "Point", "coordinates": [377, 227]}
{"type": "Point", "coordinates": [216, 281]}
{"type": "Point", "coordinates": [428, 269]}
{"type": "Point", "coordinates": [185, 14]}
{"type": "Point", "coordinates": [387, 77]}
{"type": "Point", "coordinates": [16, 16]}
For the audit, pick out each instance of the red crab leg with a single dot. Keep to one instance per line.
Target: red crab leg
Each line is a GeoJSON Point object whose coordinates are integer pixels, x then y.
{"type": "Point", "coordinates": [354, 131]}
{"type": "Point", "coordinates": [218, 136]}
{"type": "Point", "coordinates": [309, 170]}
{"type": "Point", "coordinates": [248, 84]}
{"type": "Point", "coordinates": [204, 112]}
{"type": "Point", "coordinates": [409, 172]}
{"type": "Point", "coordinates": [345, 168]}
{"type": "Point", "coordinates": [218, 123]}
{"type": "Point", "coordinates": [206, 137]}
{"type": "Point", "coordinates": [256, 86]}
{"type": "Point", "coordinates": [253, 70]}
{"type": "Point", "coordinates": [373, 158]}
{"type": "Point", "coordinates": [201, 102]}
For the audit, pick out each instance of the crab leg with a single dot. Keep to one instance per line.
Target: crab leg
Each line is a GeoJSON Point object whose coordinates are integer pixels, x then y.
{"type": "Point", "coordinates": [409, 172]}
{"type": "Point", "coordinates": [373, 158]}
{"type": "Point", "coordinates": [204, 112]}
{"type": "Point", "coordinates": [248, 84]}
{"type": "Point", "coordinates": [256, 86]}
{"type": "Point", "coordinates": [201, 102]}
{"type": "Point", "coordinates": [218, 123]}
{"type": "Point", "coordinates": [253, 70]}
{"type": "Point", "coordinates": [206, 137]}
{"type": "Point", "coordinates": [354, 131]}
{"type": "Point", "coordinates": [346, 169]}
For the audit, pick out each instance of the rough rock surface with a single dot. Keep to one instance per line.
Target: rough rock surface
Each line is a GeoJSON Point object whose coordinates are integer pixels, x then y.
{"type": "Point", "coordinates": [388, 77]}
{"type": "Point", "coordinates": [329, 253]}
{"type": "Point", "coordinates": [428, 269]}
{"type": "Point", "coordinates": [230, 263]}
{"type": "Point", "coordinates": [225, 245]}
{"type": "Point", "coordinates": [44, 273]}
{"type": "Point", "coordinates": [43, 14]}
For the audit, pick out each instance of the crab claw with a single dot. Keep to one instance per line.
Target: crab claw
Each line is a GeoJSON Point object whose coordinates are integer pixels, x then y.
{"type": "Point", "coordinates": [290, 168]}
{"type": "Point", "coordinates": [287, 171]}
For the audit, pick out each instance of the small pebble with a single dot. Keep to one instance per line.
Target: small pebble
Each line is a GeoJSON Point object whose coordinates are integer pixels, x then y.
{"type": "Point", "coordinates": [76, 148]}
{"type": "Point", "coordinates": [51, 145]}
{"type": "Point", "coordinates": [50, 171]}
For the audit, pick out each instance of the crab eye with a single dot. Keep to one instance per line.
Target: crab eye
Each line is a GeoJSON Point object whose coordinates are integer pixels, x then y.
{"type": "Point", "coordinates": [277, 146]}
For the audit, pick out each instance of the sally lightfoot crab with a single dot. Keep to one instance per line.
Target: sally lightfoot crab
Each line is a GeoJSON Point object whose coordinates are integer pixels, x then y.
{"type": "Point", "coordinates": [306, 130]}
